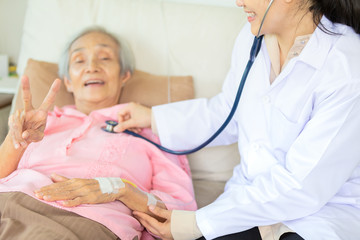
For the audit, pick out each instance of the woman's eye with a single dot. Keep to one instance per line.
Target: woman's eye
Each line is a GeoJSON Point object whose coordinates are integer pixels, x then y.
{"type": "Point", "coordinates": [105, 58]}
{"type": "Point", "coordinates": [78, 60]}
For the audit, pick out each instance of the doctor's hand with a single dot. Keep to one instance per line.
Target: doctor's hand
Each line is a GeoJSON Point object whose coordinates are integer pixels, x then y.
{"type": "Point", "coordinates": [73, 192]}
{"type": "Point", "coordinates": [27, 125]}
{"type": "Point", "coordinates": [133, 117]}
{"type": "Point", "coordinates": [160, 229]}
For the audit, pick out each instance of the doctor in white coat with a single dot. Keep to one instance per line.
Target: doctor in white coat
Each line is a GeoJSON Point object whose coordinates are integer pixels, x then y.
{"type": "Point", "coordinates": [297, 127]}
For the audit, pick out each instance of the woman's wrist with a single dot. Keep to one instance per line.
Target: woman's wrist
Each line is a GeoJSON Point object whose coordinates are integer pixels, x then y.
{"type": "Point", "coordinates": [9, 156]}
{"type": "Point", "coordinates": [123, 192]}
{"type": "Point", "coordinates": [11, 146]}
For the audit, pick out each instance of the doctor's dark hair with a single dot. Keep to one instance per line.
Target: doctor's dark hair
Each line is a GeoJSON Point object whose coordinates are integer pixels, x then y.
{"type": "Point", "coordinates": [125, 55]}
{"type": "Point", "coordinates": [337, 11]}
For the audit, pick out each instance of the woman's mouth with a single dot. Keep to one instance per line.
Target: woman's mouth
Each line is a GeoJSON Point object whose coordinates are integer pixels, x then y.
{"type": "Point", "coordinates": [250, 16]}
{"type": "Point", "coordinates": [93, 83]}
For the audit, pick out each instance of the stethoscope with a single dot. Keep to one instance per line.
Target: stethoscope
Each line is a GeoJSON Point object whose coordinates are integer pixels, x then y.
{"type": "Point", "coordinates": [253, 53]}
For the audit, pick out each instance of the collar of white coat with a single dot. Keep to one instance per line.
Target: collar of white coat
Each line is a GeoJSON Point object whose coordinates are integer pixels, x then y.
{"type": "Point", "coordinates": [317, 49]}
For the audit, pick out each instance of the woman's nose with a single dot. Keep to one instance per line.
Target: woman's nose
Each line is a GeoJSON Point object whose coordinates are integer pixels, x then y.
{"type": "Point", "coordinates": [92, 66]}
{"type": "Point", "coordinates": [240, 3]}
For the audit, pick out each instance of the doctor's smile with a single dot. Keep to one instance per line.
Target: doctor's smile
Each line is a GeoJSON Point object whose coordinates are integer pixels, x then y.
{"type": "Point", "coordinates": [250, 16]}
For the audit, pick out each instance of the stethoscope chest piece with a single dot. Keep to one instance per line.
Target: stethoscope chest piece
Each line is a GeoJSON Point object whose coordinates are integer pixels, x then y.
{"type": "Point", "coordinates": [110, 124]}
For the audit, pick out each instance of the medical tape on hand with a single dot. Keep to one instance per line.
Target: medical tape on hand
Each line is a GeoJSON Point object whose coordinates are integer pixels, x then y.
{"type": "Point", "coordinates": [110, 185]}
{"type": "Point", "coordinates": [151, 199]}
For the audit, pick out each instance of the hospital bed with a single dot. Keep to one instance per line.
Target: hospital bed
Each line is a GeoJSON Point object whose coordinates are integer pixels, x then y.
{"type": "Point", "coordinates": [182, 51]}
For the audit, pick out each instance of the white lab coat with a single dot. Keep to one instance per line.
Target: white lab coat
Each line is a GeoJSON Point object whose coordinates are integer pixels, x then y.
{"type": "Point", "coordinates": [299, 139]}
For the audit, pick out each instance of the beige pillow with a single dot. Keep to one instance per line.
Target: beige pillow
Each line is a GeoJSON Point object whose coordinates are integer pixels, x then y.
{"type": "Point", "coordinates": [144, 88]}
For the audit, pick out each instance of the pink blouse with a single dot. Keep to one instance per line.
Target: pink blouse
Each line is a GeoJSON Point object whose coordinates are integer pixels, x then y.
{"type": "Point", "coordinates": [75, 146]}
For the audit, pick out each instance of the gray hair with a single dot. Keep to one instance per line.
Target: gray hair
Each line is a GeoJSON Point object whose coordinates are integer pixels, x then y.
{"type": "Point", "coordinates": [126, 57]}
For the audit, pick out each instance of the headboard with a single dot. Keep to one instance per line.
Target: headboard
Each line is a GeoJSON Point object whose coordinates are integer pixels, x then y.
{"type": "Point", "coordinates": [167, 38]}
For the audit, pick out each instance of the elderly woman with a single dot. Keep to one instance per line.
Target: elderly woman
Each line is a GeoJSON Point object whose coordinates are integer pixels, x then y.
{"type": "Point", "coordinates": [87, 165]}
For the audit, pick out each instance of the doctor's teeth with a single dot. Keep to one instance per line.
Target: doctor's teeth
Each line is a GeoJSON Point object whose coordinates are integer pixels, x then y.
{"type": "Point", "coordinates": [250, 14]}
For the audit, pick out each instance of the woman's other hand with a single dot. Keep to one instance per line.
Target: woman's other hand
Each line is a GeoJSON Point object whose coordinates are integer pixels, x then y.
{"type": "Point", "coordinates": [27, 125]}
{"type": "Point", "coordinates": [73, 192]}
{"type": "Point", "coordinates": [133, 117]}
{"type": "Point", "coordinates": [162, 229]}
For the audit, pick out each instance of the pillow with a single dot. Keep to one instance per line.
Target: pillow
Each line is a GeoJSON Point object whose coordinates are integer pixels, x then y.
{"type": "Point", "coordinates": [144, 88]}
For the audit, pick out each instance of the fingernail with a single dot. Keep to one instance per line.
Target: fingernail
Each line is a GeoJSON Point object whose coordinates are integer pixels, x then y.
{"type": "Point", "coordinates": [16, 145]}
{"type": "Point", "coordinates": [151, 207]}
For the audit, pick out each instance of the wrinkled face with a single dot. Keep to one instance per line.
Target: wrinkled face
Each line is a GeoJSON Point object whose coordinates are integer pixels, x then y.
{"type": "Point", "coordinates": [94, 71]}
{"type": "Point", "coordinates": [275, 20]}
